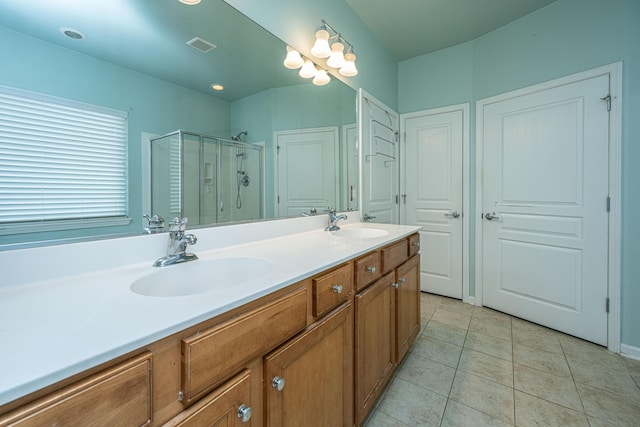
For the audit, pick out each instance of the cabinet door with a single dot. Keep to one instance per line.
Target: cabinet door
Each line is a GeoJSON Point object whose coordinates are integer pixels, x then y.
{"type": "Point", "coordinates": [375, 342]}
{"type": "Point", "coordinates": [313, 375]}
{"type": "Point", "coordinates": [227, 406]}
{"type": "Point", "coordinates": [407, 305]}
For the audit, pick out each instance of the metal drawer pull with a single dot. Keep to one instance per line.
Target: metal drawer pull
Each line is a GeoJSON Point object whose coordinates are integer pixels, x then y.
{"type": "Point", "coordinates": [337, 289]}
{"type": "Point", "coordinates": [395, 285]}
{"type": "Point", "coordinates": [244, 413]}
{"type": "Point", "coordinates": [277, 383]}
{"type": "Point", "coordinates": [371, 270]}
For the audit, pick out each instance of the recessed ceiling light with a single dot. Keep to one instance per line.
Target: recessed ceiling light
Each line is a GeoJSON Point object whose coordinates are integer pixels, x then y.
{"type": "Point", "coordinates": [72, 33]}
{"type": "Point", "coordinates": [216, 86]}
{"type": "Point", "coordinates": [189, 2]}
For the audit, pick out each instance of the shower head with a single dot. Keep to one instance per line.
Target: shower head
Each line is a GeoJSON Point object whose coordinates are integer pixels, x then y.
{"type": "Point", "coordinates": [239, 135]}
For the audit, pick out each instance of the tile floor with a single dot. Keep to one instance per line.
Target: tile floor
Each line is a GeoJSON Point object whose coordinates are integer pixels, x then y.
{"type": "Point", "coordinates": [472, 366]}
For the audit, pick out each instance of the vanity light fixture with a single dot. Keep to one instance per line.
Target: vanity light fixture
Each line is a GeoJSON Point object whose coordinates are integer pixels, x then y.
{"type": "Point", "coordinates": [216, 86]}
{"type": "Point", "coordinates": [321, 78]}
{"type": "Point", "coordinates": [308, 69]}
{"type": "Point", "coordinates": [335, 53]}
{"type": "Point", "coordinates": [294, 59]}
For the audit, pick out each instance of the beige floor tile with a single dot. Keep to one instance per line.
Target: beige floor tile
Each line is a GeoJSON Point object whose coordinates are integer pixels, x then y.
{"type": "Point", "coordinates": [483, 395]}
{"type": "Point", "coordinates": [412, 405]}
{"type": "Point", "coordinates": [555, 389]}
{"type": "Point", "coordinates": [636, 378]}
{"type": "Point", "coordinates": [533, 411]}
{"type": "Point", "coordinates": [456, 306]}
{"type": "Point", "coordinates": [614, 381]}
{"type": "Point", "coordinates": [459, 320]}
{"type": "Point", "coordinates": [427, 374]}
{"type": "Point", "coordinates": [445, 332]}
{"type": "Point", "coordinates": [632, 365]}
{"type": "Point", "coordinates": [380, 419]}
{"type": "Point", "coordinates": [551, 363]}
{"type": "Point", "coordinates": [609, 407]}
{"type": "Point", "coordinates": [535, 336]}
{"type": "Point", "coordinates": [484, 312]}
{"type": "Point", "coordinates": [485, 366]}
{"type": "Point", "coordinates": [489, 345]}
{"type": "Point", "coordinates": [437, 350]}
{"type": "Point", "coordinates": [459, 415]}
{"type": "Point", "coordinates": [592, 354]}
{"type": "Point", "coordinates": [495, 327]}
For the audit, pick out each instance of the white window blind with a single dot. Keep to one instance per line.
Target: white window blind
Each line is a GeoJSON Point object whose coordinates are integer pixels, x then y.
{"type": "Point", "coordinates": [60, 160]}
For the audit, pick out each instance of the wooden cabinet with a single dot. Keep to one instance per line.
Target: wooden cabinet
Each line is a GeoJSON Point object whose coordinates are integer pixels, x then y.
{"type": "Point", "coordinates": [407, 305]}
{"type": "Point", "coordinates": [229, 405]}
{"type": "Point", "coordinates": [330, 351]}
{"type": "Point", "coordinates": [214, 354]}
{"type": "Point", "coordinates": [374, 342]}
{"type": "Point", "coordinates": [118, 396]}
{"type": "Point", "coordinates": [309, 380]}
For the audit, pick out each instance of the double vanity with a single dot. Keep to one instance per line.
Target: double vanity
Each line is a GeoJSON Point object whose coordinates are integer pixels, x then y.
{"type": "Point", "coordinates": [277, 323]}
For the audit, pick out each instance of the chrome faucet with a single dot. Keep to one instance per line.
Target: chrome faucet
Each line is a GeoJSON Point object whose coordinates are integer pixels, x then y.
{"type": "Point", "coordinates": [333, 219]}
{"type": "Point", "coordinates": [178, 241]}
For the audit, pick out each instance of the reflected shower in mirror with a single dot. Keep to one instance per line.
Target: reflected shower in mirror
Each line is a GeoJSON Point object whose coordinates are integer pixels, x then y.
{"type": "Point", "coordinates": [150, 60]}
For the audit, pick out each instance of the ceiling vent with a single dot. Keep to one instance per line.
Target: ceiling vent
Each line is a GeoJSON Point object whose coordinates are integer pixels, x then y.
{"type": "Point", "coordinates": [201, 44]}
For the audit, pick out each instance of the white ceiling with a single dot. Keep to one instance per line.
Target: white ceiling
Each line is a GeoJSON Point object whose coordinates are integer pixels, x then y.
{"type": "Point", "coordinates": [410, 28]}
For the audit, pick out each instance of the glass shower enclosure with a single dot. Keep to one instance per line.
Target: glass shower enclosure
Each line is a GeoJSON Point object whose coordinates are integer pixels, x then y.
{"type": "Point", "coordinates": [207, 179]}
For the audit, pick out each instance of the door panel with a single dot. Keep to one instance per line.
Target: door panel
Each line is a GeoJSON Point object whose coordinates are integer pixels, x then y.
{"type": "Point", "coordinates": [433, 171]}
{"type": "Point", "coordinates": [378, 126]}
{"type": "Point", "coordinates": [307, 170]}
{"type": "Point", "coordinates": [546, 179]}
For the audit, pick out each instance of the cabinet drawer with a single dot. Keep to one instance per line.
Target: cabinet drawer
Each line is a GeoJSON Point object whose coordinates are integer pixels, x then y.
{"type": "Point", "coordinates": [214, 354]}
{"type": "Point", "coordinates": [394, 254]}
{"type": "Point", "coordinates": [118, 396]}
{"type": "Point", "coordinates": [414, 244]}
{"type": "Point", "coordinates": [220, 407]}
{"type": "Point", "coordinates": [331, 289]}
{"type": "Point", "coordinates": [368, 269]}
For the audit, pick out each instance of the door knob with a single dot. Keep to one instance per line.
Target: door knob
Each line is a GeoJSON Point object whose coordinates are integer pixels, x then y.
{"type": "Point", "coordinates": [278, 383]}
{"type": "Point", "coordinates": [491, 216]}
{"type": "Point", "coordinates": [454, 214]}
{"type": "Point", "coordinates": [244, 413]}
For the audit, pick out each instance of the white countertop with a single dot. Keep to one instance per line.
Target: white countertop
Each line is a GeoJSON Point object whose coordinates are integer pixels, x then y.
{"type": "Point", "coordinates": [52, 328]}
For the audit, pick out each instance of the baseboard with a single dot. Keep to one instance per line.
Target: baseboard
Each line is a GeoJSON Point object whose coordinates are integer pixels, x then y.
{"type": "Point", "coordinates": [630, 351]}
{"type": "Point", "coordinates": [469, 300]}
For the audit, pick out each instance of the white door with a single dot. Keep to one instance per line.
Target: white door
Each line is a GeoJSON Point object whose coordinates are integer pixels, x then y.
{"type": "Point", "coordinates": [307, 164]}
{"type": "Point", "coordinates": [350, 166]}
{"type": "Point", "coordinates": [378, 130]}
{"type": "Point", "coordinates": [433, 170]}
{"type": "Point", "coordinates": [545, 190]}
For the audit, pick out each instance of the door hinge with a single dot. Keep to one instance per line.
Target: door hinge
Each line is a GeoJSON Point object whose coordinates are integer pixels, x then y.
{"type": "Point", "coordinates": [397, 136]}
{"type": "Point", "coordinates": [404, 135]}
{"type": "Point", "coordinates": [397, 199]}
{"type": "Point", "coordinates": [608, 99]}
{"type": "Point", "coordinates": [608, 204]}
{"type": "Point", "coordinates": [607, 305]}
{"type": "Point", "coordinates": [404, 199]}
{"type": "Point", "coordinates": [277, 149]}
{"type": "Point", "coordinates": [278, 199]}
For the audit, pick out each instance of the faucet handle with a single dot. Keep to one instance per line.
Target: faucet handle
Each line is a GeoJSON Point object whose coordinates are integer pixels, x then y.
{"type": "Point", "coordinates": [178, 224]}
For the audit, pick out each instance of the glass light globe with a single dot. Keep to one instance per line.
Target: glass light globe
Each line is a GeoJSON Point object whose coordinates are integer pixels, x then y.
{"type": "Point", "coordinates": [349, 68]}
{"type": "Point", "coordinates": [308, 69]}
{"type": "Point", "coordinates": [293, 59]}
{"type": "Point", "coordinates": [336, 59]}
{"type": "Point", "coordinates": [321, 78]}
{"type": "Point", "coordinates": [321, 47]}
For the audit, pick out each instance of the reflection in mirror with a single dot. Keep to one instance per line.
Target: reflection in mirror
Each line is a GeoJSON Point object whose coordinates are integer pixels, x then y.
{"type": "Point", "coordinates": [136, 59]}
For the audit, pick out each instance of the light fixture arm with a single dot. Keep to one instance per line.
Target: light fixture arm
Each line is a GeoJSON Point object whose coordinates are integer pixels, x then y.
{"type": "Point", "coordinates": [334, 34]}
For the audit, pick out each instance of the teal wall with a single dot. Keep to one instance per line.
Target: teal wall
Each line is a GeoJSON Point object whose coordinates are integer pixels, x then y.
{"type": "Point", "coordinates": [295, 22]}
{"type": "Point", "coordinates": [566, 37]}
{"type": "Point", "coordinates": [154, 106]}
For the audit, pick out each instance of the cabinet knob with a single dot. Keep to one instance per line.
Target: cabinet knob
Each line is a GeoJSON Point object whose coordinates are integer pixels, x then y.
{"type": "Point", "coordinates": [417, 244]}
{"type": "Point", "coordinates": [395, 285]}
{"type": "Point", "coordinates": [244, 413]}
{"type": "Point", "coordinates": [278, 383]}
{"type": "Point", "coordinates": [371, 270]}
{"type": "Point", "coordinates": [401, 280]}
{"type": "Point", "coordinates": [337, 289]}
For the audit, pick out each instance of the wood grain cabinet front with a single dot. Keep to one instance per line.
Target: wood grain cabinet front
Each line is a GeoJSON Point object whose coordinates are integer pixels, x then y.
{"type": "Point", "coordinates": [332, 289]}
{"type": "Point", "coordinates": [367, 269]}
{"type": "Point", "coordinates": [407, 305]}
{"type": "Point", "coordinates": [117, 396]}
{"type": "Point", "coordinates": [374, 342]}
{"type": "Point", "coordinates": [394, 254]}
{"type": "Point", "coordinates": [309, 379]}
{"type": "Point", "coordinates": [229, 405]}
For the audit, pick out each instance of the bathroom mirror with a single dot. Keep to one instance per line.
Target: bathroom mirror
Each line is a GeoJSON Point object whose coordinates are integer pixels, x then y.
{"type": "Point", "coordinates": [157, 61]}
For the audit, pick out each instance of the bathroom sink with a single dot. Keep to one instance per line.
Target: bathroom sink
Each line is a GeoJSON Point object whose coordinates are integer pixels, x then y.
{"type": "Point", "coordinates": [200, 276]}
{"type": "Point", "coordinates": [360, 233]}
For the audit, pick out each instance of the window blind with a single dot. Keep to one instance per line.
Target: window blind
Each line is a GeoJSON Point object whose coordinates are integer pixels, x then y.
{"type": "Point", "coordinates": [60, 159]}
